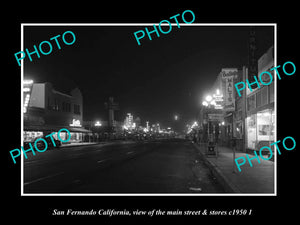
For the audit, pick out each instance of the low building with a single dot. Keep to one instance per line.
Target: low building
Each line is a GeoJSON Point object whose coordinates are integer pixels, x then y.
{"type": "Point", "coordinates": [46, 110]}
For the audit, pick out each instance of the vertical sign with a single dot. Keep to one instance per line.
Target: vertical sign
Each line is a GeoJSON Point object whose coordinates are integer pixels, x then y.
{"type": "Point", "coordinates": [253, 70]}
{"type": "Point", "coordinates": [227, 77]}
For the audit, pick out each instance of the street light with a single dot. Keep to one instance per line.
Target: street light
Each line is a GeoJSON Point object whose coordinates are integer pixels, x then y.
{"type": "Point", "coordinates": [98, 124]}
{"type": "Point", "coordinates": [204, 103]}
{"type": "Point", "coordinates": [176, 117]}
{"type": "Point", "coordinates": [208, 98]}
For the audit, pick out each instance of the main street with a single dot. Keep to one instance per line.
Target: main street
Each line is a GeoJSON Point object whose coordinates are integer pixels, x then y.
{"type": "Point", "coordinates": [160, 166]}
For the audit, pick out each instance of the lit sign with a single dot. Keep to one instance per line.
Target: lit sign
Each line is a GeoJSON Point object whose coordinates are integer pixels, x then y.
{"type": "Point", "coordinates": [75, 123]}
{"type": "Point", "coordinates": [218, 101]}
{"type": "Point", "coordinates": [98, 124]}
{"type": "Point", "coordinates": [228, 75]}
{"type": "Point", "coordinates": [229, 72]}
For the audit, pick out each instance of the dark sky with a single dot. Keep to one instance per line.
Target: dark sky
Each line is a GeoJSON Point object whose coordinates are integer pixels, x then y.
{"type": "Point", "coordinates": [160, 78]}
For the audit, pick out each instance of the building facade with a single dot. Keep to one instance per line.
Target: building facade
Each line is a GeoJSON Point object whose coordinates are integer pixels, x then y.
{"type": "Point", "coordinates": [260, 113]}
{"type": "Point", "coordinates": [46, 110]}
{"type": "Point", "coordinates": [248, 119]}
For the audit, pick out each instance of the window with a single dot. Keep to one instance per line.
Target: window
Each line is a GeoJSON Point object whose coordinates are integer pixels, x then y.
{"type": "Point", "coordinates": [251, 102]}
{"type": "Point", "coordinates": [258, 99]}
{"type": "Point", "coordinates": [55, 107]}
{"type": "Point", "coordinates": [77, 109]}
{"type": "Point", "coordinates": [264, 96]}
{"type": "Point", "coordinates": [66, 107]}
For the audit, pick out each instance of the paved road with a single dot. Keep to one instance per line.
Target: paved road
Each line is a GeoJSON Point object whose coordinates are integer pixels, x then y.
{"type": "Point", "coordinates": [162, 166]}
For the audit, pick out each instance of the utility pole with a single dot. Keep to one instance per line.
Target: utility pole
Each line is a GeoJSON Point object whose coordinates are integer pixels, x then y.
{"type": "Point", "coordinates": [112, 107]}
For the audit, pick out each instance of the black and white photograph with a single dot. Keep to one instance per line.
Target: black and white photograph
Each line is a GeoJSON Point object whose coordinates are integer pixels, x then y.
{"type": "Point", "coordinates": [145, 114]}
{"type": "Point", "coordinates": [160, 116]}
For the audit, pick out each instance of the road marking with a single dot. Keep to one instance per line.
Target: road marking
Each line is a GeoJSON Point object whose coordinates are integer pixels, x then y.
{"type": "Point", "coordinates": [100, 161]}
{"type": "Point", "coordinates": [42, 178]}
{"type": "Point", "coordinates": [129, 152]}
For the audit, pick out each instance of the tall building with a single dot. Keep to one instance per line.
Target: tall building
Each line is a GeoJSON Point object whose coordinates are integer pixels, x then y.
{"type": "Point", "coordinates": [260, 118]}
{"type": "Point", "coordinates": [46, 110]}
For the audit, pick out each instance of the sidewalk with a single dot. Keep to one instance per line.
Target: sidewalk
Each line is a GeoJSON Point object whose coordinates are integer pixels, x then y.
{"type": "Point", "coordinates": [256, 179]}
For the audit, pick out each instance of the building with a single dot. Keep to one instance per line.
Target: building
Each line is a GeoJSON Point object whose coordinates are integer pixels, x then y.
{"type": "Point", "coordinates": [222, 114]}
{"type": "Point", "coordinates": [46, 110]}
{"type": "Point", "coordinates": [260, 114]}
{"type": "Point", "coordinates": [248, 119]}
{"type": "Point", "coordinates": [101, 130]}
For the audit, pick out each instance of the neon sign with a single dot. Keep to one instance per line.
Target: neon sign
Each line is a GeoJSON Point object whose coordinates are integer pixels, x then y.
{"type": "Point", "coordinates": [75, 123]}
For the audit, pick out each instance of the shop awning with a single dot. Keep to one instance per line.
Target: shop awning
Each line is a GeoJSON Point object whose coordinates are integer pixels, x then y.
{"type": "Point", "coordinates": [78, 129]}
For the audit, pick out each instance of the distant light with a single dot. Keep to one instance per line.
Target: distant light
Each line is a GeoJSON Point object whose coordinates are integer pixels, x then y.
{"type": "Point", "coordinates": [98, 124]}
{"type": "Point", "coordinates": [204, 103]}
{"type": "Point", "coordinates": [218, 91]}
{"type": "Point", "coordinates": [75, 123]}
{"type": "Point", "coordinates": [176, 117]}
{"type": "Point", "coordinates": [195, 124]}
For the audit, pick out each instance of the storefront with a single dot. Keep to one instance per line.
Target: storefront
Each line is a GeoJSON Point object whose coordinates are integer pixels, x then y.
{"type": "Point", "coordinates": [32, 132]}
{"type": "Point", "coordinates": [260, 129]}
{"type": "Point", "coordinates": [260, 120]}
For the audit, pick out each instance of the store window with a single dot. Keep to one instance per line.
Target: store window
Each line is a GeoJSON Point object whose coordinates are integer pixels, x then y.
{"type": "Point", "coordinates": [265, 127]}
{"type": "Point", "coordinates": [30, 136]}
{"type": "Point", "coordinates": [75, 136]}
{"type": "Point", "coordinates": [260, 129]}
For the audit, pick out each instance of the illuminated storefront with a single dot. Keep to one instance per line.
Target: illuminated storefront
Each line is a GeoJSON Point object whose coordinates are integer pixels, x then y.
{"type": "Point", "coordinates": [260, 129]}
{"type": "Point", "coordinates": [46, 110]}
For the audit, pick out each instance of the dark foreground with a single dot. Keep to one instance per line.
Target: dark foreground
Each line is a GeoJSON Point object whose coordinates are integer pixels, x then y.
{"type": "Point", "coordinates": [161, 166]}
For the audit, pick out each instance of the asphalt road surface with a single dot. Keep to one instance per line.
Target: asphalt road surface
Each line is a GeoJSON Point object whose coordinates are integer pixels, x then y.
{"type": "Point", "coordinates": [125, 167]}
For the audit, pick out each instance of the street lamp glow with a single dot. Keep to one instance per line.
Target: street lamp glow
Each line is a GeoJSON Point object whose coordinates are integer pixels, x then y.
{"type": "Point", "coordinates": [208, 98]}
{"type": "Point", "coordinates": [204, 103]}
{"type": "Point", "coordinates": [98, 124]}
{"type": "Point", "coordinates": [176, 117]}
{"type": "Point", "coordinates": [218, 91]}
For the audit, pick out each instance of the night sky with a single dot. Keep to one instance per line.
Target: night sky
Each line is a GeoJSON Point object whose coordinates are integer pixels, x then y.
{"type": "Point", "coordinates": [155, 80]}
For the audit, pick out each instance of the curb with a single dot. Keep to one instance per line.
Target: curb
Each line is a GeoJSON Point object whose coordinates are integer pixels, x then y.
{"type": "Point", "coordinates": [68, 146]}
{"type": "Point", "coordinates": [224, 181]}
